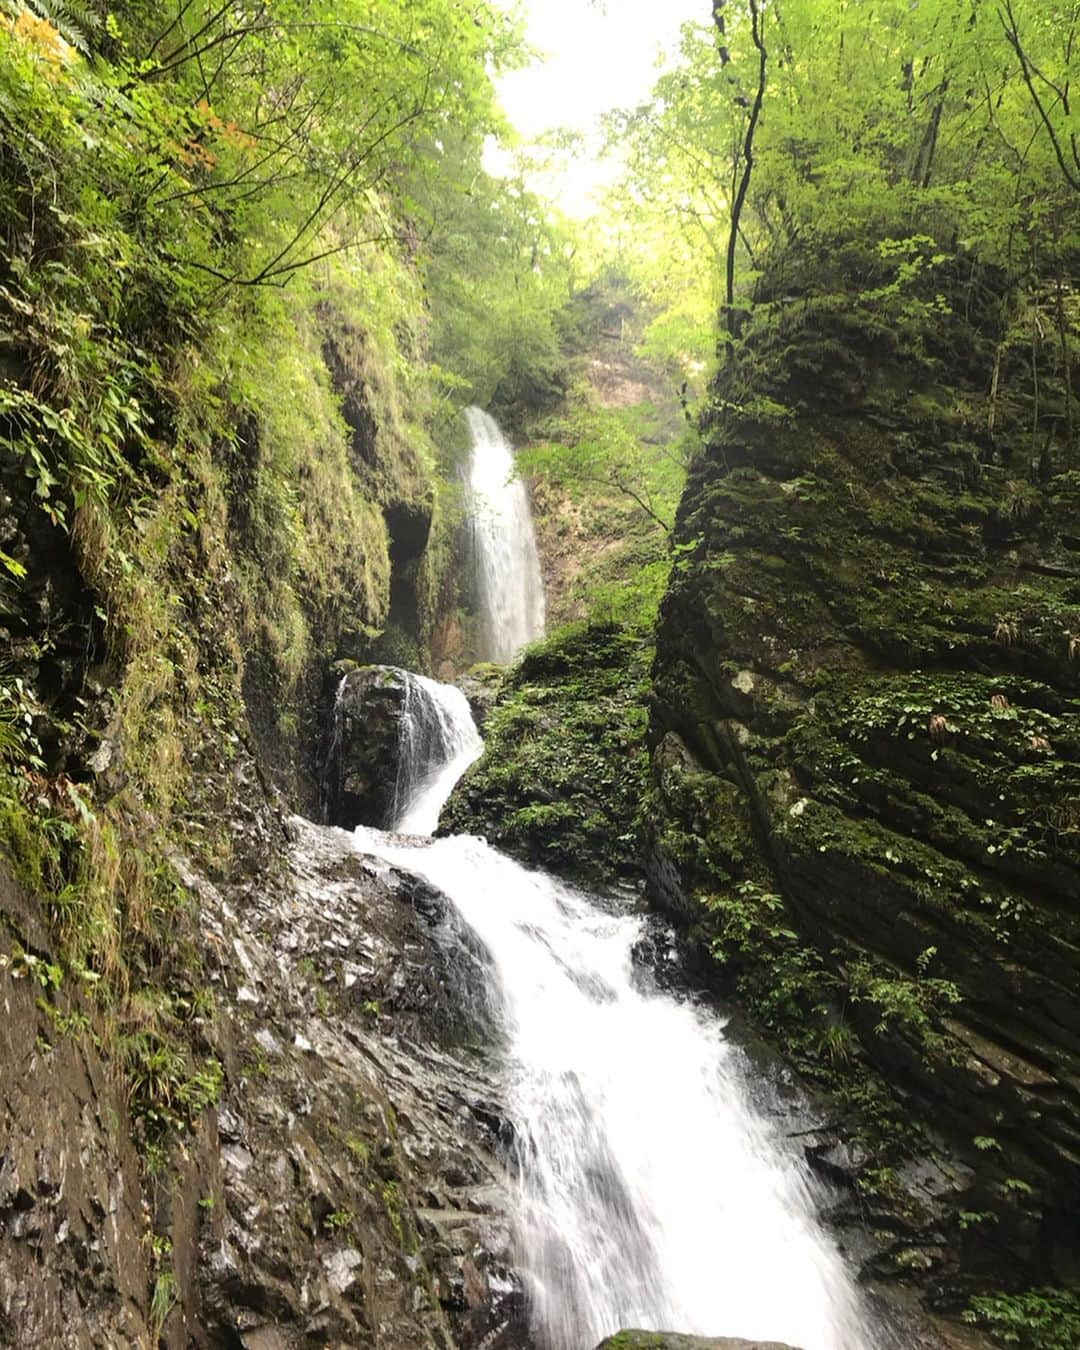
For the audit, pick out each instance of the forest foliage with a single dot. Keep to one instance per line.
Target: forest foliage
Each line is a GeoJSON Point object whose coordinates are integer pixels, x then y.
{"type": "Point", "coordinates": [930, 133]}
{"type": "Point", "coordinates": [193, 193]}
{"type": "Point", "coordinates": [194, 198]}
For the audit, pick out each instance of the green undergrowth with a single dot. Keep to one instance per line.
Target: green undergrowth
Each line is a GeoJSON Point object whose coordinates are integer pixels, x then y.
{"type": "Point", "coordinates": [1036, 1319]}
{"type": "Point", "coordinates": [564, 768]}
{"type": "Point", "coordinates": [191, 531]}
{"type": "Point", "coordinates": [805, 999]}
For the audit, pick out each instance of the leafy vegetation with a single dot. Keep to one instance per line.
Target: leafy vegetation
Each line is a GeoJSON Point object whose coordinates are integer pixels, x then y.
{"type": "Point", "coordinates": [883, 142]}
{"type": "Point", "coordinates": [563, 776]}
{"type": "Point", "coordinates": [1037, 1319]}
{"type": "Point", "coordinates": [231, 235]}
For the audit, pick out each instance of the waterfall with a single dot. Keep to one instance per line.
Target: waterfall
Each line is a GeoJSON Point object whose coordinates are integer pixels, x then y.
{"type": "Point", "coordinates": [509, 590]}
{"type": "Point", "coordinates": [652, 1190]}
{"type": "Point", "coordinates": [438, 741]}
{"type": "Point", "coordinates": [330, 778]}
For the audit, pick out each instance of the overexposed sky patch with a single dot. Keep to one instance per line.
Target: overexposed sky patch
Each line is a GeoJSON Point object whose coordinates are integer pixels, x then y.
{"type": "Point", "coordinates": [597, 55]}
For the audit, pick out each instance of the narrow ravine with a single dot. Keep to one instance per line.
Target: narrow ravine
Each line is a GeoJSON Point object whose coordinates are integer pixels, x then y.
{"type": "Point", "coordinates": [652, 1191]}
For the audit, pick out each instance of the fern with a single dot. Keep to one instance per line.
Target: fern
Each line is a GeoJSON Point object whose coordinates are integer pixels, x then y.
{"type": "Point", "coordinates": [74, 20]}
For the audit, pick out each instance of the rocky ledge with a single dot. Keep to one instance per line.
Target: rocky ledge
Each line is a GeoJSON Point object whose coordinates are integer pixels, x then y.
{"type": "Point", "coordinates": [666, 1340]}
{"type": "Point", "coordinates": [345, 1189]}
{"type": "Point", "coordinates": [361, 763]}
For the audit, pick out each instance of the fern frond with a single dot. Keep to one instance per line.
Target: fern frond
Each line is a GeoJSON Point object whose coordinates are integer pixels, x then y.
{"type": "Point", "coordinates": [74, 20]}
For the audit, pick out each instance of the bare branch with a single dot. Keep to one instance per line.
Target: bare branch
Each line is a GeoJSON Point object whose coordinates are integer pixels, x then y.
{"type": "Point", "coordinates": [756, 28]}
{"type": "Point", "coordinates": [1012, 36]}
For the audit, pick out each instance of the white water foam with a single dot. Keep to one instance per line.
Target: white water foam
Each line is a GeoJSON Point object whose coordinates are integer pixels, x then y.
{"type": "Point", "coordinates": [439, 741]}
{"type": "Point", "coordinates": [509, 588]}
{"type": "Point", "coordinates": [652, 1191]}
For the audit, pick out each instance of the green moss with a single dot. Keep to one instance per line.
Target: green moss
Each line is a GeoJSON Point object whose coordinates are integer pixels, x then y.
{"type": "Point", "coordinates": [564, 770]}
{"type": "Point", "coordinates": [186, 483]}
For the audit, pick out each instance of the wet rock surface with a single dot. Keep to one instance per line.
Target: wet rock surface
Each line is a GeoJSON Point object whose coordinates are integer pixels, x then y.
{"type": "Point", "coordinates": [360, 1193]}
{"type": "Point", "coordinates": [73, 1259]}
{"type": "Point", "coordinates": [665, 1340]}
{"type": "Point", "coordinates": [865, 746]}
{"type": "Point", "coordinates": [363, 757]}
{"type": "Point", "coordinates": [347, 1188]}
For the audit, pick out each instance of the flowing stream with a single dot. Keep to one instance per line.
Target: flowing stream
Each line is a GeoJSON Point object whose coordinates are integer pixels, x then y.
{"type": "Point", "coordinates": [652, 1188]}
{"type": "Point", "coordinates": [509, 590]}
{"type": "Point", "coordinates": [651, 1191]}
{"type": "Point", "coordinates": [439, 741]}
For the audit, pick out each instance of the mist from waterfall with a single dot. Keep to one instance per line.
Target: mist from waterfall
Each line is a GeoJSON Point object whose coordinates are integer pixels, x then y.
{"type": "Point", "coordinates": [509, 589]}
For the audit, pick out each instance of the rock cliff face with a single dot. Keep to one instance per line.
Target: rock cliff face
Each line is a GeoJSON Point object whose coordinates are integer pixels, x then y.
{"type": "Point", "coordinates": [345, 1188]}
{"type": "Point", "coordinates": [362, 762]}
{"type": "Point", "coordinates": [564, 768]}
{"type": "Point", "coordinates": [76, 1268]}
{"type": "Point", "coordinates": [167, 688]}
{"type": "Point", "coordinates": [866, 738]}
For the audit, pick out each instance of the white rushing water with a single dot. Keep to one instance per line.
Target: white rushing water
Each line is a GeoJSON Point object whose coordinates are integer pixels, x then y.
{"type": "Point", "coordinates": [651, 1190]}
{"type": "Point", "coordinates": [438, 742]}
{"type": "Point", "coordinates": [508, 584]}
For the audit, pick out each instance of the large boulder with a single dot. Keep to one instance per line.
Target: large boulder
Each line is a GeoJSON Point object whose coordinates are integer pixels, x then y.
{"type": "Point", "coordinates": [361, 772]}
{"type": "Point", "coordinates": [565, 765]}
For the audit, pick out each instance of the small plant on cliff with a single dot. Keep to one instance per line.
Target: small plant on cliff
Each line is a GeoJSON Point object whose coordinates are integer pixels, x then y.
{"type": "Point", "coordinates": [913, 1004]}
{"type": "Point", "coordinates": [1037, 1319]}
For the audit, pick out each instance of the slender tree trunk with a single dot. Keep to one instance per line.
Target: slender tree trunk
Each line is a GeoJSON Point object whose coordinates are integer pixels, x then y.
{"type": "Point", "coordinates": [1066, 362]}
{"type": "Point", "coordinates": [924, 161]}
{"type": "Point", "coordinates": [758, 35]}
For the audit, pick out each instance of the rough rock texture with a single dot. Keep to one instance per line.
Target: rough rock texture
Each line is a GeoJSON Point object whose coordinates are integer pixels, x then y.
{"type": "Point", "coordinates": [564, 767]}
{"type": "Point", "coordinates": [361, 768]}
{"type": "Point", "coordinates": [667, 1340]}
{"type": "Point", "coordinates": [375, 596]}
{"type": "Point", "coordinates": [387, 462]}
{"type": "Point", "coordinates": [345, 1190]}
{"type": "Point", "coordinates": [73, 1259]}
{"type": "Point", "coordinates": [866, 735]}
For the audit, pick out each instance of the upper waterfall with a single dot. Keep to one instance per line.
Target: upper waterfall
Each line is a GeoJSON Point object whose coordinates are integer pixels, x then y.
{"type": "Point", "coordinates": [509, 589]}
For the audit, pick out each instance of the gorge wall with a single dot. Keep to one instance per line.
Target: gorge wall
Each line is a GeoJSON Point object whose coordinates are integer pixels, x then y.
{"type": "Point", "coordinates": [865, 723]}
{"type": "Point", "coordinates": [242, 1102]}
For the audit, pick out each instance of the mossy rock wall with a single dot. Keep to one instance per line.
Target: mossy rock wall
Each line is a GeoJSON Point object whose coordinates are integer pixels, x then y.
{"type": "Point", "coordinates": [564, 768]}
{"type": "Point", "coordinates": [866, 726]}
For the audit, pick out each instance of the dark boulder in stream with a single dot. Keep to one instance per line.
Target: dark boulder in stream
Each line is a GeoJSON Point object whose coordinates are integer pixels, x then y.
{"type": "Point", "coordinates": [362, 763]}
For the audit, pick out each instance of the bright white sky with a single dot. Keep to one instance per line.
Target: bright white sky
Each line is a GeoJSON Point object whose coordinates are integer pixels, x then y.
{"type": "Point", "coordinates": [599, 55]}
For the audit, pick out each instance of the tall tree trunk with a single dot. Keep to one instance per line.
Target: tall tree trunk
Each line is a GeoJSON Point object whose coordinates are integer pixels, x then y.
{"type": "Point", "coordinates": [732, 322]}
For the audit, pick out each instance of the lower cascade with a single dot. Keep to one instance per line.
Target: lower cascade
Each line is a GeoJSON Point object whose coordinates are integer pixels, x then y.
{"type": "Point", "coordinates": [651, 1189]}
{"type": "Point", "coordinates": [438, 742]}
